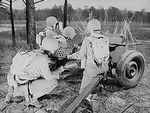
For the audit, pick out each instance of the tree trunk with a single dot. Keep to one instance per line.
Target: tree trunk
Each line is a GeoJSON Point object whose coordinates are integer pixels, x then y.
{"type": "Point", "coordinates": [65, 14]}
{"type": "Point", "coordinates": [30, 24]}
{"type": "Point", "coordinates": [12, 24]}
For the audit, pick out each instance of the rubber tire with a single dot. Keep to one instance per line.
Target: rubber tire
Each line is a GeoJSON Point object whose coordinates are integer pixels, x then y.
{"type": "Point", "coordinates": [130, 58]}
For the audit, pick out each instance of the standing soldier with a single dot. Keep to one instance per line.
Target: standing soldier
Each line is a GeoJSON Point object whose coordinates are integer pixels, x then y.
{"type": "Point", "coordinates": [94, 54]}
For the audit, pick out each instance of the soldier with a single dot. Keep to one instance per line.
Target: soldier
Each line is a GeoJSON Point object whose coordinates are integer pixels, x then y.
{"type": "Point", "coordinates": [27, 82]}
{"type": "Point", "coordinates": [68, 33]}
{"type": "Point", "coordinates": [49, 31]}
{"type": "Point", "coordinates": [64, 48]}
{"type": "Point", "coordinates": [94, 54]}
{"type": "Point", "coordinates": [46, 63]}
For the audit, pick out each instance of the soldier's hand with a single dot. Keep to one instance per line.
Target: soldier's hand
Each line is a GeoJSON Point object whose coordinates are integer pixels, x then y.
{"type": "Point", "coordinates": [41, 33]}
{"type": "Point", "coordinates": [60, 70]}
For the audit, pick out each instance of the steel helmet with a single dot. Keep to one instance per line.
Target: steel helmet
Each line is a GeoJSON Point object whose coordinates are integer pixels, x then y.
{"type": "Point", "coordinates": [51, 21]}
{"type": "Point", "coordinates": [50, 44]}
{"type": "Point", "coordinates": [93, 24]}
{"type": "Point", "coordinates": [62, 41]}
{"type": "Point", "coordinates": [68, 32]}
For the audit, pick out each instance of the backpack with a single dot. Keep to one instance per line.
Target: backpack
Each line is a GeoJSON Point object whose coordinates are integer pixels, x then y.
{"type": "Point", "coordinates": [99, 45]}
{"type": "Point", "coordinates": [20, 61]}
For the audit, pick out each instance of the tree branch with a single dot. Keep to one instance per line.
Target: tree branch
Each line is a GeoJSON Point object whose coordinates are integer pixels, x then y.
{"type": "Point", "coordinates": [4, 10]}
{"type": "Point", "coordinates": [38, 1]}
{"type": "Point", "coordinates": [7, 0]}
{"type": "Point", "coordinates": [2, 5]}
{"type": "Point", "coordinates": [14, 0]}
{"type": "Point", "coordinates": [5, 4]}
{"type": "Point", "coordinates": [24, 2]}
{"type": "Point", "coordinates": [132, 16]}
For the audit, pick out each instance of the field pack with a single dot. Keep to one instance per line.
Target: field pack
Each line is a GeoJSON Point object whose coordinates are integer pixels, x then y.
{"type": "Point", "coordinates": [100, 47]}
{"type": "Point", "coordinates": [20, 61]}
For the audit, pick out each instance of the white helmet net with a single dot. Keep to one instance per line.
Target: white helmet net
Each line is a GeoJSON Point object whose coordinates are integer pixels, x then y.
{"type": "Point", "coordinates": [93, 24]}
{"type": "Point", "coordinates": [51, 21]}
{"type": "Point", "coordinates": [50, 44]}
{"type": "Point", "coordinates": [68, 32]}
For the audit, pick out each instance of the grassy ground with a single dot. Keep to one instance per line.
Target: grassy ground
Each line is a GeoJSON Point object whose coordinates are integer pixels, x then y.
{"type": "Point", "coordinates": [5, 37]}
{"type": "Point", "coordinates": [110, 100]}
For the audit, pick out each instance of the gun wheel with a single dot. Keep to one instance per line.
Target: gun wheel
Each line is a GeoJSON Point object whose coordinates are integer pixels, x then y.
{"type": "Point", "coordinates": [130, 69]}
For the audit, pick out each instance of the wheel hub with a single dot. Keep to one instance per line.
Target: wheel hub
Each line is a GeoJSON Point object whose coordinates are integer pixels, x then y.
{"type": "Point", "coordinates": [132, 70]}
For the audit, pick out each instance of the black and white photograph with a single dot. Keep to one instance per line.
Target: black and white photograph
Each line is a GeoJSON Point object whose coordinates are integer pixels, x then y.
{"type": "Point", "coordinates": [74, 56]}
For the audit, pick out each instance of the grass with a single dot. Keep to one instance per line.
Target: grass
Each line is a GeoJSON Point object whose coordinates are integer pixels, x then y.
{"type": "Point", "coordinates": [5, 36]}
{"type": "Point", "coordinates": [15, 21]}
{"type": "Point", "coordinates": [140, 34]}
{"type": "Point", "coordinates": [7, 51]}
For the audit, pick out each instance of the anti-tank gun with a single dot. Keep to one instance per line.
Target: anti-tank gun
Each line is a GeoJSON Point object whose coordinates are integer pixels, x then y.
{"type": "Point", "coordinates": [128, 62]}
{"type": "Point", "coordinates": [126, 65]}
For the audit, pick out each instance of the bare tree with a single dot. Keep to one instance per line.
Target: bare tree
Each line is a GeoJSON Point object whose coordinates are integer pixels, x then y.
{"type": "Point", "coordinates": [65, 14]}
{"type": "Point", "coordinates": [7, 8]}
{"type": "Point", "coordinates": [30, 23]}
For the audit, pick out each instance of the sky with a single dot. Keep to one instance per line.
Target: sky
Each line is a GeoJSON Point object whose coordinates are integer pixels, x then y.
{"type": "Point", "coordinates": [134, 5]}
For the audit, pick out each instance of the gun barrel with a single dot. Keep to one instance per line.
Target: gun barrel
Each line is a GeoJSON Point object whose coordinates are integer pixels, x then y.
{"type": "Point", "coordinates": [84, 94]}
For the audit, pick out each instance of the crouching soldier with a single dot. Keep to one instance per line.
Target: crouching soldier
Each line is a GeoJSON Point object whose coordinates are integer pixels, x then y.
{"type": "Point", "coordinates": [25, 81]}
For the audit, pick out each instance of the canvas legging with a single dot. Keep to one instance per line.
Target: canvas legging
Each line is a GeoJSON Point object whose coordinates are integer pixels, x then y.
{"type": "Point", "coordinates": [41, 87]}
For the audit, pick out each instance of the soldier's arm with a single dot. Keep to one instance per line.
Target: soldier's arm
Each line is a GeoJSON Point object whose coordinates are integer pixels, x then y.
{"type": "Point", "coordinates": [46, 73]}
{"type": "Point", "coordinates": [83, 52]}
{"type": "Point", "coordinates": [74, 56]}
{"type": "Point", "coordinates": [80, 54]}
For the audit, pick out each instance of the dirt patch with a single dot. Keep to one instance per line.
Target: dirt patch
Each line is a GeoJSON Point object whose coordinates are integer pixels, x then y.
{"type": "Point", "coordinates": [135, 100]}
